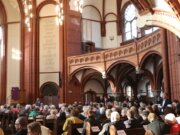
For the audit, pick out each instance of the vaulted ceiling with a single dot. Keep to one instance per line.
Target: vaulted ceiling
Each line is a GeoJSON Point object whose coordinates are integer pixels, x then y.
{"type": "Point", "coordinates": [145, 6]}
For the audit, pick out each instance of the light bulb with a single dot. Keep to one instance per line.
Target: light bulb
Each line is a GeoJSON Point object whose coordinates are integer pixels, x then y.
{"type": "Point", "coordinates": [31, 15]}
{"type": "Point", "coordinates": [29, 29]}
{"type": "Point", "coordinates": [57, 21]}
{"type": "Point", "coordinates": [61, 5]}
{"type": "Point", "coordinates": [57, 8]}
{"type": "Point", "coordinates": [27, 20]}
{"type": "Point", "coordinates": [30, 6]}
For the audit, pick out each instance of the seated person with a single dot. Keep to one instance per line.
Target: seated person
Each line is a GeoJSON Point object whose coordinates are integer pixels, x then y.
{"type": "Point", "coordinates": [72, 118]}
{"type": "Point", "coordinates": [89, 122]}
{"type": "Point", "coordinates": [34, 112]}
{"type": "Point", "coordinates": [52, 115]}
{"type": "Point", "coordinates": [164, 101]}
{"type": "Point", "coordinates": [20, 125]}
{"type": "Point", "coordinates": [34, 128]}
{"type": "Point", "coordinates": [123, 114]}
{"type": "Point", "coordinates": [115, 124]}
{"type": "Point", "coordinates": [115, 120]}
{"type": "Point", "coordinates": [108, 117]}
{"type": "Point", "coordinates": [102, 116]}
{"type": "Point", "coordinates": [156, 126]}
{"type": "Point", "coordinates": [170, 119]}
{"type": "Point", "coordinates": [145, 117]}
{"type": "Point", "coordinates": [131, 122]}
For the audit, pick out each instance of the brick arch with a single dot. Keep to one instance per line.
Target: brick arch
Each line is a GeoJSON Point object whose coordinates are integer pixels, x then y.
{"type": "Point", "coordinates": [49, 93]}
{"type": "Point", "coordinates": [120, 62]}
{"type": "Point", "coordinates": [166, 25]}
{"type": "Point", "coordinates": [48, 87]}
{"type": "Point", "coordinates": [146, 55]}
{"type": "Point", "coordinates": [40, 6]}
{"type": "Point", "coordinates": [85, 67]}
{"type": "Point", "coordinates": [124, 72]}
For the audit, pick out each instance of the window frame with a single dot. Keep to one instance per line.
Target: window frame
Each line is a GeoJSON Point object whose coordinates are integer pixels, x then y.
{"type": "Point", "coordinates": [124, 23]}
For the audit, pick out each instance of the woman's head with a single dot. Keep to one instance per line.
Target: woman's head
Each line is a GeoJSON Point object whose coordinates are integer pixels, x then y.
{"type": "Point", "coordinates": [152, 117]}
{"type": "Point", "coordinates": [34, 128]}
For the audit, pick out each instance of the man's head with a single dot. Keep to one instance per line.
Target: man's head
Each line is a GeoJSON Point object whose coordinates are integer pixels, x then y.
{"type": "Point", "coordinates": [20, 123]}
{"type": "Point", "coordinates": [165, 96]}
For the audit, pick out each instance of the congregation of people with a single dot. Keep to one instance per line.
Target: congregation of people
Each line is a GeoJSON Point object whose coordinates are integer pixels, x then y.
{"type": "Point", "coordinates": [156, 119]}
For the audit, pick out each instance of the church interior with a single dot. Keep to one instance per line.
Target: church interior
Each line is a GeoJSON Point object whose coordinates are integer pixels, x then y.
{"type": "Point", "coordinates": [86, 51]}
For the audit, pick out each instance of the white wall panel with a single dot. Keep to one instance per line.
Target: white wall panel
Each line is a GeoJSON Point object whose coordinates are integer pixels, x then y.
{"type": "Point", "coordinates": [96, 34]}
{"type": "Point", "coordinates": [110, 6]}
{"type": "Point", "coordinates": [111, 36]}
{"type": "Point", "coordinates": [49, 51]}
{"type": "Point", "coordinates": [92, 32]}
{"type": "Point", "coordinates": [13, 58]}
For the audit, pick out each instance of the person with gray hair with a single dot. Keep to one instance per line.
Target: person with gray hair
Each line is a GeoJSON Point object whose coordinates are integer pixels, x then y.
{"type": "Point", "coordinates": [108, 116]}
{"type": "Point", "coordinates": [170, 119]}
{"type": "Point", "coordinates": [115, 123]}
{"type": "Point", "coordinates": [20, 125]}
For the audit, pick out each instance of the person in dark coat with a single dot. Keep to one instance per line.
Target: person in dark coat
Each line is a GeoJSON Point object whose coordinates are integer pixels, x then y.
{"type": "Point", "coordinates": [21, 126]}
{"type": "Point", "coordinates": [157, 126]}
{"type": "Point", "coordinates": [132, 122]}
{"type": "Point", "coordinates": [164, 101]}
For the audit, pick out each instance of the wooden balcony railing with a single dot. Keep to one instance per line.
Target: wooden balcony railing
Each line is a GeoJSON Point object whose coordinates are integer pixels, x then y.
{"type": "Point", "coordinates": [138, 46]}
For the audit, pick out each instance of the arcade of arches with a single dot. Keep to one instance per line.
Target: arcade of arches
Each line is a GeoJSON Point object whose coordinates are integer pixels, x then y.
{"type": "Point", "coordinates": [115, 48]}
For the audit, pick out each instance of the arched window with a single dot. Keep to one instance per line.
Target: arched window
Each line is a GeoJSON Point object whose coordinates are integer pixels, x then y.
{"type": "Point", "coordinates": [149, 90]}
{"type": "Point", "coordinates": [128, 91]}
{"type": "Point", "coordinates": [129, 22]}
